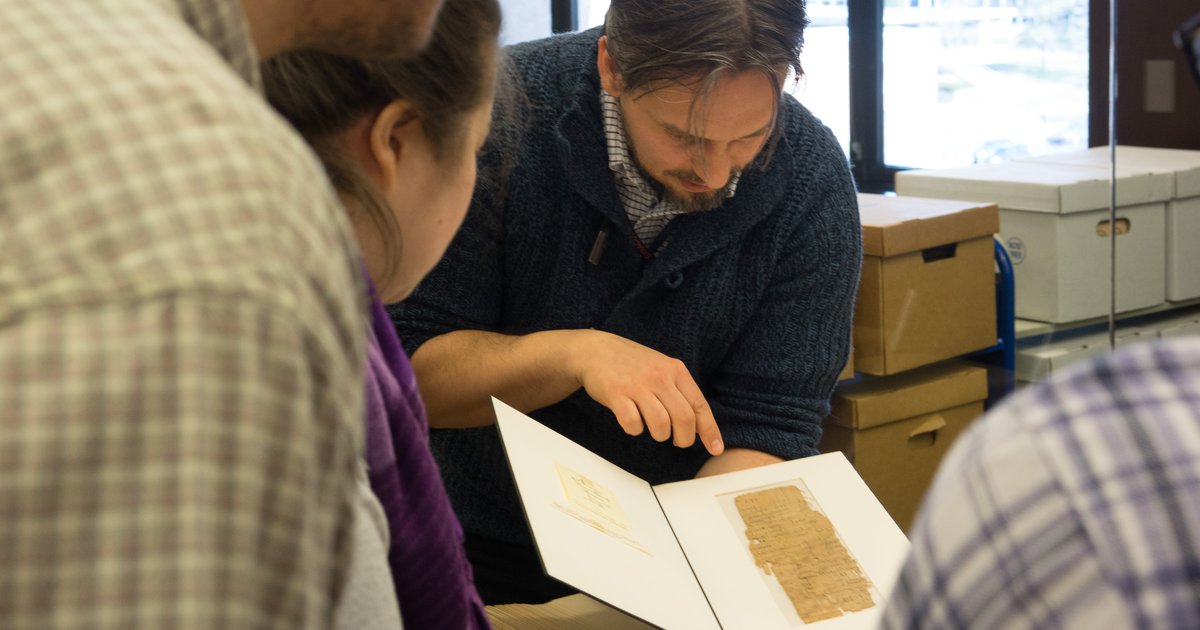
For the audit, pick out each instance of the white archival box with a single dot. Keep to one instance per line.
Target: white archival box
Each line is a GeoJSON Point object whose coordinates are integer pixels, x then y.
{"type": "Point", "coordinates": [1183, 210]}
{"type": "Point", "coordinates": [1184, 325]}
{"type": "Point", "coordinates": [1054, 221]}
{"type": "Point", "coordinates": [1038, 362]}
{"type": "Point", "coordinates": [675, 555]}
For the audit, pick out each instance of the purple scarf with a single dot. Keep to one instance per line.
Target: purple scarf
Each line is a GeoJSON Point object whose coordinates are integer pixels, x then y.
{"type": "Point", "coordinates": [433, 579]}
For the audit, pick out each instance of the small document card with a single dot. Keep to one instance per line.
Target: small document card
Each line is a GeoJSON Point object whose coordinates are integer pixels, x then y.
{"type": "Point", "coordinates": [795, 544]}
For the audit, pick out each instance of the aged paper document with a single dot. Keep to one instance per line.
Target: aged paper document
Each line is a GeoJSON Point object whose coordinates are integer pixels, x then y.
{"type": "Point", "coordinates": [799, 546]}
{"type": "Point", "coordinates": [596, 505]}
{"type": "Point", "coordinates": [600, 529]}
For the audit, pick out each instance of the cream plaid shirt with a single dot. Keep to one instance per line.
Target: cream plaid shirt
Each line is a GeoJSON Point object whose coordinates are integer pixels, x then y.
{"type": "Point", "coordinates": [1075, 504]}
{"type": "Point", "coordinates": [181, 330]}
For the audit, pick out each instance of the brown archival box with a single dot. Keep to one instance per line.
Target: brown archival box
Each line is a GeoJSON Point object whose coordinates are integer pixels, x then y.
{"type": "Point", "coordinates": [847, 372]}
{"type": "Point", "coordinates": [895, 429]}
{"type": "Point", "coordinates": [927, 291]}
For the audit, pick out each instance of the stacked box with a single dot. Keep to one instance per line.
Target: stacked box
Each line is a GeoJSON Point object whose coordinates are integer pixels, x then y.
{"type": "Point", "coordinates": [847, 372]}
{"type": "Point", "coordinates": [927, 291]}
{"type": "Point", "coordinates": [1055, 223]}
{"type": "Point", "coordinates": [895, 430]}
{"type": "Point", "coordinates": [1183, 208]}
{"type": "Point", "coordinates": [1183, 325]}
{"type": "Point", "coordinates": [927, 294]}
{"type": "Point", "coordinates": [1037, 362]}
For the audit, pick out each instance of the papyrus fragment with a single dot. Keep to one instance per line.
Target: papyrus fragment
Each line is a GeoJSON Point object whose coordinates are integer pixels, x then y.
{"type": "Point", "coordinates": [798, 545]}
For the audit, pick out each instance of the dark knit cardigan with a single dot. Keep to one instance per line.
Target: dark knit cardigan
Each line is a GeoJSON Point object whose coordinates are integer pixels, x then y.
{"type": "Point", "coordinates": [755, 297]}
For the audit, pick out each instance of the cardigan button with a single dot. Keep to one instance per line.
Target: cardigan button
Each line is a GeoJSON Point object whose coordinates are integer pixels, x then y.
{"type": "Point", "coordinates": [674, 280]}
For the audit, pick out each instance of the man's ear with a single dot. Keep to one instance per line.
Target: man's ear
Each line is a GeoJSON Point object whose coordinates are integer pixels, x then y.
{"type": "Point", "coordinates": [392, 135]}
{"type": "Point", "coordinates": [610, 76]}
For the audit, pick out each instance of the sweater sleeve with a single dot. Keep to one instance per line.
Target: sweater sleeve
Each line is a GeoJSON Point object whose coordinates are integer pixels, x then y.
{"type": "Point", "coordinates": [773, 389]}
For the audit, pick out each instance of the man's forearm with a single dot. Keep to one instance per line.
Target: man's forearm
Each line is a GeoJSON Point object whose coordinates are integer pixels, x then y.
{"type": "Point", "coordinates": [460, 371]}
{"type": "Point", "coordinates": [643, 388]}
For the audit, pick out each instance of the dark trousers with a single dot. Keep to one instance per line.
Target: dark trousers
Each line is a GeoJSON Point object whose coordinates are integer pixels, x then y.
{"type": "Point", "coordinates": [511, 574]}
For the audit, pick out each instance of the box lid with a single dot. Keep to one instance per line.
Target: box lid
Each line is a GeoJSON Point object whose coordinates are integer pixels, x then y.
{"type": "Point", "coordinates": [899, 225]}
{"type": "Point", "coordinates": [1038, 186]}
{"type": "Point", "coordinates": [1184, 166]}
{"type": "Point", "coordinates": [873, 402]}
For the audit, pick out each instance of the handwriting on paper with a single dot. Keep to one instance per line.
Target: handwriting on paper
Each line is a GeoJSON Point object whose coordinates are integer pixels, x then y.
{"type": "Point", "coordinates": [597, 506]}
{"type": "Point", "coordinates": [800, 548]}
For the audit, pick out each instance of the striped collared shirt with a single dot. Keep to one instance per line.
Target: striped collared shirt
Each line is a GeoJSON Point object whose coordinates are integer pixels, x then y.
{"type": "Point", "coordinates": [647, 210]}
{"type": "Point", "coordinates": [1075, 504]}
{"type": "Point", "coordinates": [182, 330]}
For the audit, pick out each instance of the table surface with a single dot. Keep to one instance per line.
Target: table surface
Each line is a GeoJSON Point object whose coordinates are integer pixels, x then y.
{"type": "Point", "coordinates": [574, 612]}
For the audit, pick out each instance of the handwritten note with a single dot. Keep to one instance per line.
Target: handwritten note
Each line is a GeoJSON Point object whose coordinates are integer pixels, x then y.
{"type": "Point", "coordinates": [797, 544]}
{"type": "Point", "coordinates": [597, 506]}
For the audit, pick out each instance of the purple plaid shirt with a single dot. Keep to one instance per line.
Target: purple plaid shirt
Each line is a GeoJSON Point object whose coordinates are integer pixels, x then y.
{"type": "Point", "coordinates": [1076, 504]}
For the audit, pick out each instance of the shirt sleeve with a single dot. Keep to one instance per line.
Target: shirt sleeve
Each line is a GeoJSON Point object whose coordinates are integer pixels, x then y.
{"type": "Point", "coordinates": [180, 461]}
{"type": "Point", "coordinates": [1070, 505]}
{"type": "Point", "coordinates": [997, 543]}
{"type": "Point", "coordinates": [370, 600]}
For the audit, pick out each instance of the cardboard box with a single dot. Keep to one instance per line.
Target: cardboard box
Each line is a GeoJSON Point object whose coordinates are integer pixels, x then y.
{"type": "Point", "coordinates": [1183, 210]}
{"type": "Point", "coordinates": [1037, 362]}
{"type": "Point", "coordinates": [847, 372]}
{"type": "Point", "coordinates": [928, 282]}
{"type": "Point", "coordinates": [1054, 221]}
{"type": "Point", "coordinates": [896, 429]}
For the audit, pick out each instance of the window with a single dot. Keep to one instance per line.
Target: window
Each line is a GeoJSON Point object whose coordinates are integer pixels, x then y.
{"type": "Point", "coordinates": [825, 86]}
{"type": "Point", "coordinates": [524, 20]}
{"type": "Point", "coordinates": [922, 83]}
{"type": "Point", "coordinates": [591, 13]}
{"type": "Point", "coordinates": [981, 81]}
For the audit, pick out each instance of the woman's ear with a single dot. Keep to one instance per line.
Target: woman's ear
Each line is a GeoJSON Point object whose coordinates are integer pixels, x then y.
{"type": "Point", "coordinates": [392, 135]}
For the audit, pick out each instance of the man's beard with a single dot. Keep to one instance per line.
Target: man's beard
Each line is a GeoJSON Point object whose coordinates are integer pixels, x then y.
{"type": "Point", "coordinates": [694, 202]}
{"type": "Point", "coordinates": [688, 203]}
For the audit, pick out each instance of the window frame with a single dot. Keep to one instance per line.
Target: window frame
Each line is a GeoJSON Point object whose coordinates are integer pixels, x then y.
{"type": "Point", "coordinates": [865, 28]}
{"type": "Point", "coordinates": [564, 16]}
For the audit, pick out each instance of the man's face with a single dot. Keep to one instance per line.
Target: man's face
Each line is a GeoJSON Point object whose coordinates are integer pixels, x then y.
{"type": "Point", "coordinates": [371, 29]}
{"type": "Point", "coordinates": [692, 149]}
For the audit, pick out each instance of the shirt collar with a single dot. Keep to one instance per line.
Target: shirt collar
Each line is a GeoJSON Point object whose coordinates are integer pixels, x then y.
{"type": "Point", "coordinates": [620, 159]}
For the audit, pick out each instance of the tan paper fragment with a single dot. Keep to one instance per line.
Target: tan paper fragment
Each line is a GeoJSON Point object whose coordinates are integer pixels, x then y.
{"type": "Point", "coordinates": [799, 546]}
